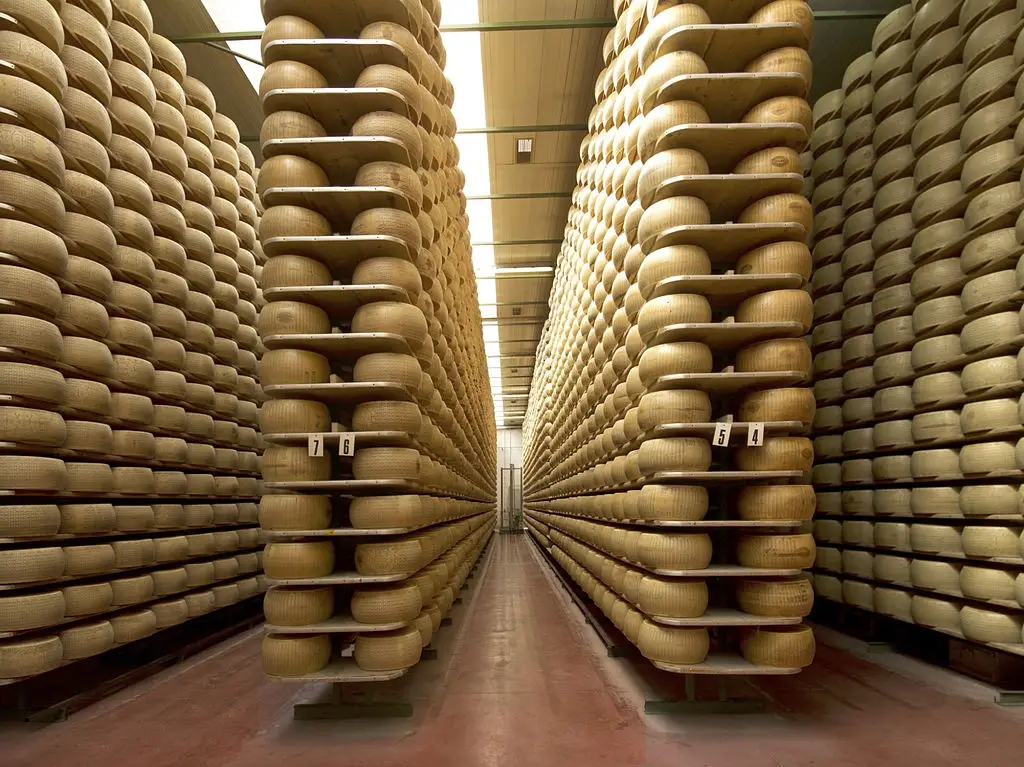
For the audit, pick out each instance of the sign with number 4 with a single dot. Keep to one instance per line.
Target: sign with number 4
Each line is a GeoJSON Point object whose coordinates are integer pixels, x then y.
{"type": "Point", "coordinates": [346, 444]}
{"type": "Point", "coordinates": [316, 445]}
{"type": "Point", "coordinates": [723, 430]}
{"type": "Point", "coordinates": [755, 435]}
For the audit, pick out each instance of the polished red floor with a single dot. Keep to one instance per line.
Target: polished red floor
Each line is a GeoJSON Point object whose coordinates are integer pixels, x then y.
{"type": "Point", "coordinates": [522, 682]}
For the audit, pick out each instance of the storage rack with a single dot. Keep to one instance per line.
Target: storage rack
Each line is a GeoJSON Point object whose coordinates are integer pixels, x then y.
{"type": "Point", "coordinates": [667, 330]}
{"type": "Point", "coordinates": [917, 341]}
{"type": "Point", "coordinates": [129, 298]}
{"type": "Point", "coordinates": [380, 461]}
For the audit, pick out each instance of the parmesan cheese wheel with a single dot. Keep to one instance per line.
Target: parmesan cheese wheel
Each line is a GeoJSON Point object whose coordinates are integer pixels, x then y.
{"type": "Point", "coordinates": [291, 656]}
{"type": "Point", "coordinates": [780, 646]}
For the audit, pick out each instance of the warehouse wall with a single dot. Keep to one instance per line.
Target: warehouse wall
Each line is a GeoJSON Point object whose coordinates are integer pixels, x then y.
{"type": "Point", "coordinates": [510, 453]}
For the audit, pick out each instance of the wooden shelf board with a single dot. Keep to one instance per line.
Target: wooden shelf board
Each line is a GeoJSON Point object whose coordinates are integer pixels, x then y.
{"type": "Point", "coordinates": [339, 624]}
{"type": "Point", "coordinates": [727, 335]}
{"type": "Point", "coordinates": [339, 204]}
{"type": "Point", "coordinates": [725, 243]}
{"type": "Point", "coordinates": [343, 393]}
{"type": "Point", "coordinates": [729, 96]}
{"type": "Point", "coordinates": [724, 616]}
{"type": "Point", "coordinates": [340, 253]}
{"type": "Point", "coordinates": [338, 346]}
{"type": "Point", "coordinates": [729, 383]}
{"type": "Point", "coordinates": [730, 47]}
{"type": "Point", "coordinates": [724, 145]}
{"type": "Point", "coordinates": [727, 195]}
{"type": "Point", "coordinates": [726, 665]}
{"type": "Point", "coordinates": [339, 301]}
{"type": "Point", "coordinates": [343, 671]}
{"type": "Point", "coordinates": [337, 109]}
{"type": "Point", "coordinates": [341, 61]}
{"type": "Point", "coordinates": [340, 156]}
{"type": "Point", "coordinates": [723, 290]}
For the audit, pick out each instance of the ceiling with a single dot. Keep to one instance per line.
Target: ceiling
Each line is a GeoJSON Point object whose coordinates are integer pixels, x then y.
{"type": "Point", "coordinates": [531, 78]}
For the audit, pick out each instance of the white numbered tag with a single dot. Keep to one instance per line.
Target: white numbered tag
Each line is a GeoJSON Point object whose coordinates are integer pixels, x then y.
{"type": "Point", "coordinates": [316, 446]}
{"type": "Point", "coordinates": [723, 430]}
{"type": "Point", "coordinates": [755, 435]}
{"type": "Point", "coordinates": [347, 444]}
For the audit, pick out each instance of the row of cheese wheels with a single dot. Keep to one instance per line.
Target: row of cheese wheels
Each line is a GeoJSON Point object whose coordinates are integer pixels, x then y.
{"type": "Point", "coordinates": [936, 611]}
{"type": "Point", "coordinates": [966, 462]}
{"type": "Point", "coordinates": [985, 583]}
{"type": "Point", "coordinates": [35, 475]}
{"type": "Point", "coordinates": [41, 521]}
{"type": "Point", "coordinates": [402, 602]}
{"type": "Point", "coordinates": [296, 416]}
{"type": "Point", "coordinates": [684, 503]}
{"type": "Point", "coordinates": [22, 658]}
{"type": "Point", "coordinates": [605, 276]}
{"type": "Point", "coordinates": [975, 421]}
{"type": "Point", "coordinates": [286, 463]}
{"type": "Point", "coordinates": [779, 646]}
{"type": "Point", "coordinates": [675, 551]}
{"type": "Point", "coordinates": [687, 454]}
{"type": "Point", "coordinates": [966, 500]}
{"type": "Point", "coordinates": [433, 229]}
{"type": "Point", "coordinates": [683, 598]}
{"type": "Point", "coordinates": [43, 607]}
{"type": "Point", "coordinates": [974, 541]}
{"type": "Point", "coordinates": [82, 558]}
{"type": "Point", "coordinates": [401, 556]}
{"type": "Point", "coordinates": [287, 655]}
{"type": "Point", "coordinates": [283, 512]}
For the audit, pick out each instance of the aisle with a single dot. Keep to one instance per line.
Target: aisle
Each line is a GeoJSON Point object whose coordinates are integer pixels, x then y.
{"type": "Point", "coordinates": [523, 683]}
{"type": "Point", "coordinates": [519, 687]}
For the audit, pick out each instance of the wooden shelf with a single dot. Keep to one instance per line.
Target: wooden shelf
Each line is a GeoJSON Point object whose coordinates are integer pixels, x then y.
{"type": "Point", "coordinates": [340, 156]}
{"type": "Point", "coordinates": [341, 624]}
{"type": "Point", "coordinates": [343, 393]}
{"type": "Point", "coordinates": [727, 665]}
{"type": "Point", "coordinates": [340, 253]}
{"type": "Point", "coordinates": [715, 477]}
{"type": "Point", "coordinates": [339, 204]}
{"type": "Point", "coordinates": [730, 47]}
{"type": "Point", "coordinates": [725, 145]}
{"type": "Point", "coordinates": [341, 346]}
{"type": "Point", "coordinates": [725, 243]}
{"type": "Point", "coordinates": [729, 383]}
{"type": "Point", "coordinates": [362, 438]}
{"type": "Point", "coordinates": [697, 524]}
{"type": "Point", "coordinates": [341, 61]}
{"type": "Point", "coordinates": [740, 430]}
{"type": "Point", "coordinates": [726, 335]}
{"type": "Point", "coordinates": [340, 579]}
{"type": "Point", "coordinates": [337, 109]}
{"type": "Point", "coordinates": [725, 616]}
{"type": "Point", "coordinates": [339, 301]}
{"type": "Point", "coordinates": [729, 96]}
{"type": "Point", "coordinates": [727, 195]}
{"type": "Point", "coordinates": [343, 671]}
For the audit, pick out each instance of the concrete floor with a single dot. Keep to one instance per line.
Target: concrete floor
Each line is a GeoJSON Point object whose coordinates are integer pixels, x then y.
{"type": "Point", "coordinates": [522, 681]}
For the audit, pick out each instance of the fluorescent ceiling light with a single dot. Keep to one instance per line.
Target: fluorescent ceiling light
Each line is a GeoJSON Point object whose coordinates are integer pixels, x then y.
{"type": "Point", "coordinates": [236, 16]}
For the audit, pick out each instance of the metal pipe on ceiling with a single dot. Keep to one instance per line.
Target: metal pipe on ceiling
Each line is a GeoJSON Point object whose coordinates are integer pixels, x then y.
{"type": "Point", "coordinates": [236, 54]}
{"type": "Point", "coordinates": [526, 25]}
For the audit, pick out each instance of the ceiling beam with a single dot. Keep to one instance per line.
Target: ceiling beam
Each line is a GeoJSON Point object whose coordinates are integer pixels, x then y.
{"type": "Point", "coordinates": [526, 196]}
{"type": "Point", "coordinates": [514, 243]}
{"type": "Point", "coordinates": [559, 128]}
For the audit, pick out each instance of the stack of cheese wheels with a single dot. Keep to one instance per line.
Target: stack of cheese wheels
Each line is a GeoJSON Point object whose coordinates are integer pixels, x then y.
{"type": "Point", "coordinates": [132, 410]}
{"type": "Point", "coordinates": [924, 432]}
{"type": "Point", "coordinates": [376, 423]}
{"type": "Point", "coordinates": [679, 301]}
